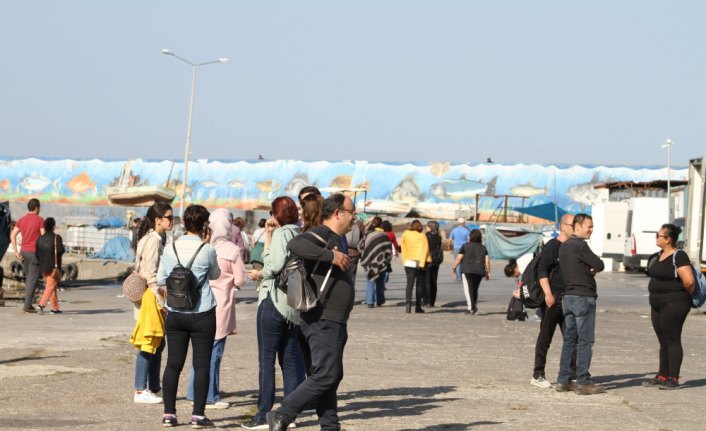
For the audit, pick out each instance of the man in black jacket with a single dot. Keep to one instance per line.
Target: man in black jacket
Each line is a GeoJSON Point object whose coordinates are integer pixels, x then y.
{"type": "Point", "coordinates": [553, 285]}
{"type": "Point", "coordinates": [578, 266]}
{"type": "Point", "coordinates": [323, 327]}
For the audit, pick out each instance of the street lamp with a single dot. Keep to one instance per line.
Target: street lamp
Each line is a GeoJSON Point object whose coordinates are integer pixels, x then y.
{"type": "Point", "coordinates": [668, 146]}
{"type": "Point", "coordinates": [191, 111]}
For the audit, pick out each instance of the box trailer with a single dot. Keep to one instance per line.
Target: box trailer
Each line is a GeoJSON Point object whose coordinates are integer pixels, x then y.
{"type": "Point", "coordinates": [694, 237]}
{"type": "Point", "coordinates": [644, 219]}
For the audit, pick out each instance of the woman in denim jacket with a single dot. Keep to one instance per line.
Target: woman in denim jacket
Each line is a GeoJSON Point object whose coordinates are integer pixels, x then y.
{"type": "Point", "coordinates": [197, 325]}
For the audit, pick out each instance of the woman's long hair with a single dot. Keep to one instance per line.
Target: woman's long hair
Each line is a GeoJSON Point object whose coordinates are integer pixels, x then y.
{"type": "Point", "coordinates": [158, 209]}
{"type": "Point", "coordinates": [311, 211]}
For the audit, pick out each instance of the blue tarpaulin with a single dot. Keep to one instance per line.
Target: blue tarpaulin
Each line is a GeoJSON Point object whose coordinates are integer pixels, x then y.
{"type": "Point", "coordinates": [502, 247]}
{"type": "Point", "coordinates": [109, 222]}
{"type": "Point", "coordinates": [117, 248]}
{"type": "Point", "coordinates": [549, 211]}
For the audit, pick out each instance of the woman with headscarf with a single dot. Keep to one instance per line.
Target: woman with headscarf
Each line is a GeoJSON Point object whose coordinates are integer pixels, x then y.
{"type": "Point", "coordinates": [149, 338]}
{"type": "Point", "coordinates": [415, 255]}
{"type": "Point", "coordinates": [232, 276]}
{"type": "Point", "coordinates": [277, 322]}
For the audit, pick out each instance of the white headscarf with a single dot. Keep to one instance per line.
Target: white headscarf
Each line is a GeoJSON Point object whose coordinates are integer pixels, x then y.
{"type": "Point", "coordinates": [221, 224]}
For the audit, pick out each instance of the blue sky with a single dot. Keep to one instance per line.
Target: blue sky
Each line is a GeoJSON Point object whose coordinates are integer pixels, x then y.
{"type": "Point", "coordinates": [601, 82]}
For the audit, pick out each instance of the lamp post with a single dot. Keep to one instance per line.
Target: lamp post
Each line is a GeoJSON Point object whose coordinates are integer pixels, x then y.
{"type": "Point", "coordinates": [191, 112]}
{"type": "Point", "coordinates": [668, 146]}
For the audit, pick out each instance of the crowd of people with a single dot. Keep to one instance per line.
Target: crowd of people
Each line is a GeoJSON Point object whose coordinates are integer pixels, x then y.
{"type": "Point", "coordinates": [331, 241]}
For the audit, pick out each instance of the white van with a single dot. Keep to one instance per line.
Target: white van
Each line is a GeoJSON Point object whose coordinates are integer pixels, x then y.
{"type": "Point", "coordinates": [608, 239]}
{"type": "Point", "coordinates": [645, 217]}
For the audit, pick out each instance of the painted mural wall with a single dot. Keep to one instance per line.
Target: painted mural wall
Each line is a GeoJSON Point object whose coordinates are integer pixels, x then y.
{"type": "Point", "coordinates": [253, 184]}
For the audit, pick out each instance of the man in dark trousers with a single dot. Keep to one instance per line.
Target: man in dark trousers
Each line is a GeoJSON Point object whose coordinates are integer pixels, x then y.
{"type": "Point", "coordinates": [553, 285]}
{"type": "Point", "coordinates": [578, 266]}
{"type": "Point", "coordinates": [31, 226]}
{"type": "Point", "coordinates": [324, 328]}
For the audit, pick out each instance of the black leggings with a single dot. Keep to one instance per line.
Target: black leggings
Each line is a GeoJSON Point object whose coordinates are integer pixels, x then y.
{"type": "Point", "coordinates": [473, 281]}
{"type": "Point", "coordinates": [669, 312]}
{"type": "Point", "coordinates": [432, 274]}
{"type": "Point", "coordinates": [200, 328]}
{"type": "Point", "coordinates": [415, 276]}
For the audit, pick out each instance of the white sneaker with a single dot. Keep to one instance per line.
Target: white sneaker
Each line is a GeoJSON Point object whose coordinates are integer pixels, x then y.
{"type": "Point", "coordinates": [541, 382]}
{"type": "Point", "coordinates": [147, 397]}
{"type": "Point", "coordinates": [219, 405]}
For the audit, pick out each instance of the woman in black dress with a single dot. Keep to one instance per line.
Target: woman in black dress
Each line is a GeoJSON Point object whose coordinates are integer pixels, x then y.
{"type": "Point", "coordinates": [671, 286]}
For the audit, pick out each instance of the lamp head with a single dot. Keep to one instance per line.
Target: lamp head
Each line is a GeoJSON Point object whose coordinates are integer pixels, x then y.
{"type": "Point", "coordinates": [223, 60]}
{"type": "Point", "coordinates": [167, 51]}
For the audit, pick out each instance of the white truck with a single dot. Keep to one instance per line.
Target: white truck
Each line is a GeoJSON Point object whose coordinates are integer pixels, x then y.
{"type": "Point", "coordinates": [608, 239]}
{"type": "Point", "coordinates": [695, 234]}
{"type": "Point", "coordinates": [645, 217]}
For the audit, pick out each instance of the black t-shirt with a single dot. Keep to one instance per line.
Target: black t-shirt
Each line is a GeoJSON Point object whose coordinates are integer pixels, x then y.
{"type": "Point", "coordinates": [473, 261]}
{"type": "Point", "coordinates": [548, 266]}
{"type": "Point", "coordinates": [662, 274]}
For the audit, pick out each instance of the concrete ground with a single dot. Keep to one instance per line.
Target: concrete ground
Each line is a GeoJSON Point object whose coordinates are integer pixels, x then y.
{"type": "Point", "coordinates": [442, 370]}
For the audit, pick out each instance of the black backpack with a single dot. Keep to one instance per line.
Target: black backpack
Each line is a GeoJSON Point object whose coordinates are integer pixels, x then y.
{"type": "Point", "coordinates": [182, 284]}
{"type": "Point", "coordinates": [531, 293]}
{"type": "Point", "coordinates": [515, 310]}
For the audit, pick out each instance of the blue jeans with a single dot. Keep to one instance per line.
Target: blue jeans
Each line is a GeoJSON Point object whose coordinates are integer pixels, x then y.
{"type": "Point", "coordinates": [579, 335]}
{"type": "Point", "coordinates": [214, 383]}
{"type": "Point", "coordinates": [458, 268]}
{"type": "Point", "coordinates": [375, 290]}
{"type": "Point", "coordinates": [147, 367]}
{"type": "Point", "coordinates": [327, 340]}
{"type": "Point", "coordinates": [277, 338]}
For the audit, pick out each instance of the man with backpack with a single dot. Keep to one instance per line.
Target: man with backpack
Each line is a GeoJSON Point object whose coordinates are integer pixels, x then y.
{"type": "Point", "coordinates": [552, 284]}
{"type": "Point", "coordinates": [324, 328]}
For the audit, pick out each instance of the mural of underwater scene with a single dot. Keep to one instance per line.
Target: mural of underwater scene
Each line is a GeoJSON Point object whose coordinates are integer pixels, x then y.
{"type": "Point", "coordinates": [391, 187]}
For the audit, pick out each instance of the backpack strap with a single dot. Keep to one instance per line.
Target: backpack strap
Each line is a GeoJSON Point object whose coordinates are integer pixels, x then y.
{"type": "Point", "coordinates": [188, 265]}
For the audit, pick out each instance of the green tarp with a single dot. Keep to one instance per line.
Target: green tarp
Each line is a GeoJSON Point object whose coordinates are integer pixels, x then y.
{"type": "Point", "coordinates": [502, 247]}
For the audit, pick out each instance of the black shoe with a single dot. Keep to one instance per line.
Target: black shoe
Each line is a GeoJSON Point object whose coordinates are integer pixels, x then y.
{"type": "Point", "coordinates": [29, 310]}
{"type": "Point", "coordinates": [371, 305]}
{"type": "Point", "coordinates": [275, 421]}
{"type": "Point", "coordinates": [201, 422]}
{"type": "Point", "coordinates": [655, 381]}
{"type": "Point", "coordinates": [169, 421]}
{"type": "Point", "coordinates": [409, 308]}
{"type": "Point", "coordinates": [255, 424]}
{"type": "Point", "coordinates": [671, 384]}
{"type": "Point", "coordinates": [474, 311]}
{"type": "Point", "coordinates": [56, 312]}
{"type": "Point", "coordinates": [419, 310]}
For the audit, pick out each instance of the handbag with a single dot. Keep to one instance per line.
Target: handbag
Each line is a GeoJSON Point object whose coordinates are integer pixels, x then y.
{"type": "Point", "coordinates": [295, 282]}
{"type": "Point", "coordinates": [257, 250]}
{"type": "Point", "coordinates": [134, 285]}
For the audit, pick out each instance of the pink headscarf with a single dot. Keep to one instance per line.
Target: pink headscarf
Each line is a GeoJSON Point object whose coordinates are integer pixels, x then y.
{"type": "Point", "coordinates": [221, 224]}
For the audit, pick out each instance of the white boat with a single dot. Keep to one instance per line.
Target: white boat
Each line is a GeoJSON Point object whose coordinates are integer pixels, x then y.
{"type": "Point", "coordinates": [442, 211]}
{"type": "Point", "coordinates": [140, 195]}
{"type": "Point", "coordinates": [393, 208]}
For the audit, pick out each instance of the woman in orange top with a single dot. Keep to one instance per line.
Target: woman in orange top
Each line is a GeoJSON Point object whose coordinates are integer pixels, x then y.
{"type": "Point", "coordinates": [415, 255]}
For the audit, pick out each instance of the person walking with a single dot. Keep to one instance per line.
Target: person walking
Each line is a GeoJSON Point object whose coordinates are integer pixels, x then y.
{"type": "Point", "coordinates": [258, 244]}
{"type": "Point", "coordinates": [50, 248]}
{"type": "Point", "coordinates": [277, 323]}
{"type": "Point", "coordinates": [459, 236]}
{"type": "Point", "coordinates": [579, 266]}
{"type": "Point", "coordinates": [197, 325]}
{"type": "Point", "coordinates": [31, 227]}
{"type": "Point", "coordinates": [325, 326]}
{"type": "Point", "coordinates": [474, 262]}
{"type": "Point", "coordinates": [671, 286]}
{"type": "Point", "coordinates": [150, 244]}
{"type": "Point", "coordinates": [436, 252]}
{"type": "Point", "coordinates": [415, 255]}
{"type": "Point", "coordinates": [231, 264]}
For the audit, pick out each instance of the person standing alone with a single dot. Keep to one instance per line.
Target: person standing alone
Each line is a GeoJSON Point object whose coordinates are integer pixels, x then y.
{"type": "Point", "coordinates": [31, 226]}
{"type": "Point", "coordinates": [578, 266]}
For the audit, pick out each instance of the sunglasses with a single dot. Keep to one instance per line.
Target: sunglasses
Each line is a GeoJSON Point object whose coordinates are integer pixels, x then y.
{"type": "Point", "coordinates": [169, 217]}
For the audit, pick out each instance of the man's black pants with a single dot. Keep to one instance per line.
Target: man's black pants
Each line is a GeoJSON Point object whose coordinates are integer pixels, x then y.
{"type": "Point", "coordinates": [326, 339]}
{"type": "Point", "coordinates": [553, 317]}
